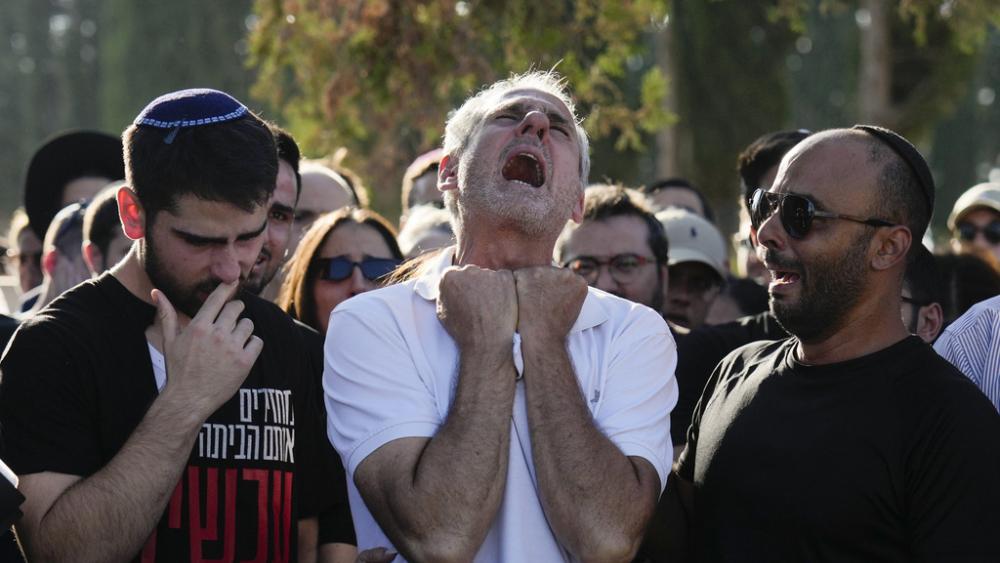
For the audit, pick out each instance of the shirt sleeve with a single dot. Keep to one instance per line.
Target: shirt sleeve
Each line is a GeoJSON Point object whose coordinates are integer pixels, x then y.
{"type": "Point", "coordinates": [373, 392]}
{"type": "Point", "coordinates": [46, 406]}
{"type": "Point", "coordinates": [640, 391]}
{"type": "Point", "coordinates": [953, 460]}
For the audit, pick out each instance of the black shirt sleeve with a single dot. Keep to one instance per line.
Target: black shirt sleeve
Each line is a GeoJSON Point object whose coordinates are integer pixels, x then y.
{"type": "Point", "coordinates": [45, 405]}
{"type": "Point", "coordinates": [325, 490]}
{"type": "Point", "coordinates": [953, 472]}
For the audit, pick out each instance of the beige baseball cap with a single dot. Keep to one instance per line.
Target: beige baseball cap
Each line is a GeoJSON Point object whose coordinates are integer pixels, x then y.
{"type": "Point", "coordinates": [693, 239]}
{"type": "Point", "coordinates": [985, 195]}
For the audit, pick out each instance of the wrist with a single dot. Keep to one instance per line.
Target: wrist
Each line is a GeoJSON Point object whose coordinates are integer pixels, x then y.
{"type": "Point", "coordinates": [190, 410]}
{"type": "Point", "coordinates": [542, 340]}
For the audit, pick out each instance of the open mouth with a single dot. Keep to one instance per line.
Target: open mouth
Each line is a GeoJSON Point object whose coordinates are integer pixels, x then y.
{"type": "Point", "coordinates": [781, 277]}
{"type": "Point", "coordinates": [525, 168]}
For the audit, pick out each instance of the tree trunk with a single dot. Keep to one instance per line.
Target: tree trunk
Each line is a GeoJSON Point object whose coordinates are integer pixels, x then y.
{"type": "Point", "coordinates": [875, 66]}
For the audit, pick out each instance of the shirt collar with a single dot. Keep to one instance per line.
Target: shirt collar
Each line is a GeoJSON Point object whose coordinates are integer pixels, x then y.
{"type": "Point", "coordinates": [592, 313]}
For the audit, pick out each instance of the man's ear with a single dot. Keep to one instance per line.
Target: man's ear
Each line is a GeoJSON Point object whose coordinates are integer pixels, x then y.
{"type": "Point", "coordinates": [448, 173]}
{"type": "Point", "coordinates": [131, 213]}
{"type": "Point", "coordinates": [930, 321]}
{"type": "Point", "coordinates": [893, 246]}
{"type": "Point", "coordinates": [92, 257]}
{"type": "Point", "coordinates": [49, 260]}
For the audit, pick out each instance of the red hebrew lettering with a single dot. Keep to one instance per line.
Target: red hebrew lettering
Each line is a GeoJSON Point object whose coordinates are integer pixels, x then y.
{"type": "Point", "coordinates": [281, 502]}
{"type": "Point", "coordinates": [173, 520]}
{"type": "Point", "coordinates": [210, 532]}
{"type": "Point", "coordinates": [259, 475]}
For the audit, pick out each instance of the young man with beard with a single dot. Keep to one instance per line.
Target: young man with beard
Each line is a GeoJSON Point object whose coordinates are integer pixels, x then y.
{"type": "Point", "coordinates": [493, 407]}
{"type": "Point", "coordinates": [281, 213]}
{"type": "Point", "coordinates": [852, 440]}
{"type": "Point", "coordinates": [159, 413]}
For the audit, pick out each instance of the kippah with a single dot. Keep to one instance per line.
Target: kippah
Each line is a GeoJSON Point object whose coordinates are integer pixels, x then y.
{"type": "Point", "coordinates": [190, 108]}
{"type": "Point", "coordinates": [910, 155]}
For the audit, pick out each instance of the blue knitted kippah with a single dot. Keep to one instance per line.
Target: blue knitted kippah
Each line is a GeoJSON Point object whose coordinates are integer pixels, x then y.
{"type": "Point", "coordinates": [190, 108]}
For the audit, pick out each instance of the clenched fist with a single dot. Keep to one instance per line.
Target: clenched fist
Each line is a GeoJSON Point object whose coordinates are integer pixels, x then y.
{"type": "Point", "coordinates": [478, 308]}
{"type": "Point", "coordinates": [549, 301]}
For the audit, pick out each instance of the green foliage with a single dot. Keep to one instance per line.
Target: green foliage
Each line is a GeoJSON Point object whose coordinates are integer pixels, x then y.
{"type": "Point", "coordinates": [379, 77]}
{"type": "Point", "coordinates": [968, 21]}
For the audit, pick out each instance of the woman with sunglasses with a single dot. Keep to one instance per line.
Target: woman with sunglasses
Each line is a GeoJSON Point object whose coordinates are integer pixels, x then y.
{"type": "Point", "coordinates": [343, 253]}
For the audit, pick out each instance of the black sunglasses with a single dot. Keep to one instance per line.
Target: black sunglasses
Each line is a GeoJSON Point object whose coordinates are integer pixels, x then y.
{"type": "Point", "coordinates": [340, 268]}
{"type": "Point", "coordinates": [796, 212]}
{"type": "Point", "coordinates": [968, 231]}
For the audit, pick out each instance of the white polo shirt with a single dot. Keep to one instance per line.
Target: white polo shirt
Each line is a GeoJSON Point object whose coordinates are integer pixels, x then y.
{"type": "Point", "coordinates": [391, 372]}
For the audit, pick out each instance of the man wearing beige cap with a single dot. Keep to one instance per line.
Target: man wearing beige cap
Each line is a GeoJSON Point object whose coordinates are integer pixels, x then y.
{"type": "Point", "coordinates": [975, 220]}
{"type": "Point", "coordinates": [697, 266]}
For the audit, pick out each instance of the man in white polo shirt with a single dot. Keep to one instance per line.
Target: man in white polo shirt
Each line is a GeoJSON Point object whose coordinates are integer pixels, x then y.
{"type": "Point", "coordinates": [493, 407]}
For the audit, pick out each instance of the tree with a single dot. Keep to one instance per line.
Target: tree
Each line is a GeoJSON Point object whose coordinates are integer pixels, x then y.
{"type": "Point", "coordinates": [379, 77]}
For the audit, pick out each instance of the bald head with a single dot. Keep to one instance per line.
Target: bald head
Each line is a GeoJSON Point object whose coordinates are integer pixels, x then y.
{"type": "Point", "coordinates": [868, 169]}
{"type": "Point", "coordinates": [323, 190]}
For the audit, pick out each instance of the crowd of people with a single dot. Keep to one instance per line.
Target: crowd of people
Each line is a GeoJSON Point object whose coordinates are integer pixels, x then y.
{"type": "Point", "coordinates": [219, 352]}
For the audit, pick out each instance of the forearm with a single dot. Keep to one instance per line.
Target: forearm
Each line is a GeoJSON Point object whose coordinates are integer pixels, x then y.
{"type": "Point", "coordinates": [594, 497]}
{"type": "Point", "coordinates": [109, 515]}
{"type": "Point", "coordinates": [458, 481]}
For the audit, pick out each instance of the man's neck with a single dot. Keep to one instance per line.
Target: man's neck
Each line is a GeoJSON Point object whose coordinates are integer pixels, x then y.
{"type": "Point", "coordinates": [130, 273]}
{"type": "Point", "coordinates": [504, 250]}
{"type": "Point", "coordinates": [873, 324]}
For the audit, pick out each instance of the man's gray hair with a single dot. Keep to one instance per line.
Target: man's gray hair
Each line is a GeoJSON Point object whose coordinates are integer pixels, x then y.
{"type": "Point", "coordinates": [464, 121]}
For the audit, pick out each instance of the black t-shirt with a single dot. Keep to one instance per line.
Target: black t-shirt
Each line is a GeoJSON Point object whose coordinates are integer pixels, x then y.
{"type": "Point", "coordinates": [701, 350]}
{"type": "Point", "coordinates": [894, 456]}
{"type": "Point", "coordinates": [335, 522]}
{"type": "Point", "coordinates": [78, 379]}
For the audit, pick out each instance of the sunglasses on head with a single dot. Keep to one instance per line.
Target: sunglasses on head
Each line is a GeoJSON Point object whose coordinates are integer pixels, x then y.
{"type": "Point", "coordinates": [968, 231]}
{"type": "Point", "coordinates": [340, 268]}
{"type": "Point", "coordinates": [796, 212]}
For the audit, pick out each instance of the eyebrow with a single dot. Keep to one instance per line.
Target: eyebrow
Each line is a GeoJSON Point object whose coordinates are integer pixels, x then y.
{"type": "Point", "coordinates": [283, 208]}
{"type": "Point", "coordinates": [198, 239]}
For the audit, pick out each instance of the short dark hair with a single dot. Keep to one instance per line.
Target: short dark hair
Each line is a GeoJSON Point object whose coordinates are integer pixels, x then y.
{"type": "Point", "coordinates": [764, 153]}
{"type": "Point", "coordinates": [288, 150]}
{"type": "Point", "coordinates": [235, 162]}
{"type": "Point", "coordinates": [922, 278]}
{"type": "Point", "coordinates": [965, 279]}
{"type": "Point", "coordinates": [601, 201]}
{"type": "Point", "coordinates": [900, 197]}
{"type": "Point", "coordinates": [101, 218]}
{"type": "Point", "coordinates": [682, 184]}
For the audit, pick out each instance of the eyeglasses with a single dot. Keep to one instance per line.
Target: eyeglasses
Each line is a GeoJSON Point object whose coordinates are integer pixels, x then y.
{"type": "Point", "coordinates": [339, 268]}
{"type": "Point", "coordinates": [624, 268]}
{"type": "Point", "coordinates": [968, 231]}
{"type": "Point", "coordinates": [796, 212]}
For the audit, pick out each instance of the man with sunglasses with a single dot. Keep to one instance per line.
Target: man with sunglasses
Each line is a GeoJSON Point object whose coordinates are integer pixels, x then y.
{"type": "Point", "coordinates": [851, 440]}
{"type": "Point", "coordinates": [974, 221]}
{"type": "Point", "coordinates": [493, 407]}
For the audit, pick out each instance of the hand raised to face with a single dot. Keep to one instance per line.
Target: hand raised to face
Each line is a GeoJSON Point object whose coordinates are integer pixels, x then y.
{"type": "Point", "coordinates": [209, 358]}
